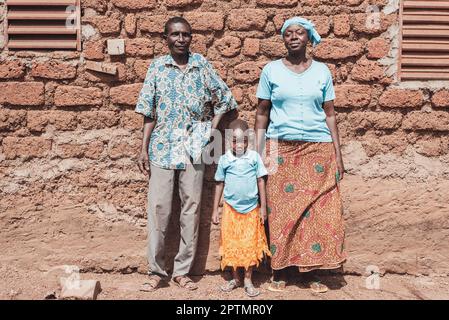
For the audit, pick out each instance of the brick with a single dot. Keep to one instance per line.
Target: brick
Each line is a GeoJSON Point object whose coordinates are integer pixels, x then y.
{"type": "Point", "coordinates": [335, 49]}
{"type": "Point", "coordinates": [69, 150]}
{"type": "Point", "coordinates": [94, 50]}
{"type": "Point", "coordinates": [205, 21]}
{"type": "Point", "coordinates": [153, 23]}
{"type": "Point", "coordinates": [108, 24]}
{"type": "Point", "coordinates": [342, 26]}
{"type": "Point", "coordinates": [98, 119]}
{"type": "Point", "coordinates": [378, 120]}
{"type": "Point", "coordinates": [430, 145]}
{"type": "Point", "coordinates": [37, 121]}
{"type": "Point", "coordinates": [90, 150]}
{"type": "Point", "coordinates": [27, 147]}
{"type": "Point", "coordinates": [182, 3]}
{"type": "Point", "coordinates": [247, 19]}
{"type": "Point", "coordinates": [131, 120]}
{"type": "Point", "coordinates": [322, 23]}
{"type": "Point", "coordinates": [433, 121]}
{"type": "Point", "coordinates": [371, 23]}
{"type": "Point", "coordinates": [246, 72]}
{"type": "Point", "coordinates": [123, 148]}
{"type": "Point", "coordinates": [251, 93]}
{"type": "Point", "coordinates": [83, 289]}
{"type": "Point", "coordinates": [139, 47]}
{"type": "Point", "coordinates": [130, 24]}
{"type": "Point", "coordinates": [11, 69]}
{"type": "Point", "coordinates": [199, 44]}
{"type": "Point", "coordinates": [221, 69]}
{"type": "Point", "coordinates": [386, 143]}
{"type": "Point", "coordinates": [94, 150]}
{"type": "Point", "coordinates": [53, 70]}
{"type": "Point", "coordinates": [273, 48]}
{"type": "Point", "coordinates": [401, 98]}
{"type": "Point", "coordinates": [141, 68]}
{"type": "Point", "coordinates": [63, 120]}
{"type": "Point", "coordinates": [277, 3]}
{"type": "Point", "coordinates": [229, 46]}
{"type": "Point", "coordinates": [366, 71]}
{"type": "Point", "coordinates": [135, 4]}
{"type": "Point", "coordinates": [11, 120]}
{"type": "Point", "coordinates": [102, 67]}
{"type": "Point", "coordinates": [238, 94]}
{"type": "Point", "coordinates": [98, 5]}
{"type": "Point", "coordinates": [22, 93]}
{"type": "Point", "coordinates": [126, 94]}
{"type": "Point", "coordinates": [161, 48]}
{"type": "Point", "coordinates": [377, 48]}
{"type": "Point", "coordinates": [352, 96]}
{"type": "Point", "coordinates": [340, 73]}
{"type": "Point", "coordinates": [251, 47]}
{"type": "Point", "coordinates": [122, 74]}
{"type": "Point", "coordinates": [66, 96]}
{"type": "Point", "coordinates": [440, 99]}
{"type": "Point", "coordinates": [116, 47]}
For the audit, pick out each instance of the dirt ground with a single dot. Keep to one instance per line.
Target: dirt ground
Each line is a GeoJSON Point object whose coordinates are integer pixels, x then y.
{"type": "Point", "coordinates": [23, 284]}
{"type": "Point", "coordinates": [38, 239]}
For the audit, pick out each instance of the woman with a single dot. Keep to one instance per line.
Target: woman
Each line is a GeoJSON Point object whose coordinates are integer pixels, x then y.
{"type": "Point", "coordinates": [305, 209]}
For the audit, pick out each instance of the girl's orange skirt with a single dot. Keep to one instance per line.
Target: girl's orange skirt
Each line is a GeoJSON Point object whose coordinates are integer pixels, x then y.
{"type": "Point", "coordinates": [243, 242]}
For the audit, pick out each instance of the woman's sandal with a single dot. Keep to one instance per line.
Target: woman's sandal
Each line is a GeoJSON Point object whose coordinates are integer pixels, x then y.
{"type": "Point", "coordinates": [277, 286]}
{"type": "Point", "coordinates": [185, 283]}
{"type": "Point", "coordinates": [152, 284]}
{"type": "Point", "coordinates": [251, 291]}
{"type": "Point", "coordinates": [318, 287]}
{"type": "Point", "coordinates": [230, 285]}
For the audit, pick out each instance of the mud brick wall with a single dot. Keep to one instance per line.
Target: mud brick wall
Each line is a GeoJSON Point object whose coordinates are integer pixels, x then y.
{"type": "Point", "coordinates": [69, 135]}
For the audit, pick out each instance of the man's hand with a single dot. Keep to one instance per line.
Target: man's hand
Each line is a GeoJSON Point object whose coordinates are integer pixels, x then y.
{"type": "Point", "coordinates": [215, 217]}
{"type": "Point", "coordinates": [341, 168]}
{"type": "Point", "coordinates": [144, 163]}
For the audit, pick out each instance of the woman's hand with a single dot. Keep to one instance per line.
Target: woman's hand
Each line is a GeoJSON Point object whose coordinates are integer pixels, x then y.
{"type": "Point", "coordinates": [340, 167]}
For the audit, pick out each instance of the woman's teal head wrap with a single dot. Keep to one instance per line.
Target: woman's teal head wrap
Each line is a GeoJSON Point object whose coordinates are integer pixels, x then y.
{"type": "Point", "coordinates": [314, 36]}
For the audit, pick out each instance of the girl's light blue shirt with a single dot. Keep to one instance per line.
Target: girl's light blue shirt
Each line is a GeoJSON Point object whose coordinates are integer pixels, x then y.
{"type": "Point", "coordinates": [240, 177]}
{"type": "Point", "coordinates": [297, 101]}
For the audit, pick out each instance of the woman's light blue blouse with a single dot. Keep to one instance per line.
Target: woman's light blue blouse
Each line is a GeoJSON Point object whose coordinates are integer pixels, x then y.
{"type": "Point", "coordinates": [297, 101]}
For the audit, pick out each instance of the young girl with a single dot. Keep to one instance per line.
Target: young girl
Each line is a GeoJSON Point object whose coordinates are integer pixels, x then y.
{"type": "Point", "coordinates": [243, 242]}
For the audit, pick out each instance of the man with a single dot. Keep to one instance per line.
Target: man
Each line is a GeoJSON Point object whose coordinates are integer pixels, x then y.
{"type": "Point", "coordinates": [183, 100]}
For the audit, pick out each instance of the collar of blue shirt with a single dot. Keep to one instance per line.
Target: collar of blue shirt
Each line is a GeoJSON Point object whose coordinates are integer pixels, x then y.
{"type": "Point", "coordinates": [169, 61]}
{"type": "Point", "coordinates": [233, 158]}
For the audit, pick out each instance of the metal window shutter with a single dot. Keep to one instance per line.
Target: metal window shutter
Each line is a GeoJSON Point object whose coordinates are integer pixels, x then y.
{"type": "Point", "coordinates": [37, 24]}
{"type": "Point", "coordinates": [424, 40]}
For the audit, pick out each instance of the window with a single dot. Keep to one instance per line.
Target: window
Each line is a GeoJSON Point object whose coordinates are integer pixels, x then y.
{"type": "Point", "coordinates": [36, 24]}
{"type": "Point", "coordinates": [424, 48]}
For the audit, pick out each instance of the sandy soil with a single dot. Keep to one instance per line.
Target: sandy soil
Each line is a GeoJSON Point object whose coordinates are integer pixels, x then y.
{"type": "Point", "coordinates": [37, 239]}
{"type": "Point", "coordinates": [25, 284]}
